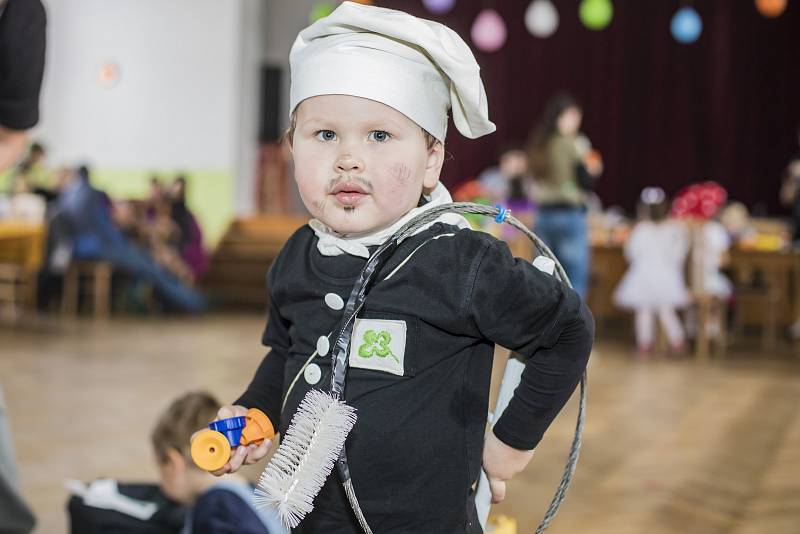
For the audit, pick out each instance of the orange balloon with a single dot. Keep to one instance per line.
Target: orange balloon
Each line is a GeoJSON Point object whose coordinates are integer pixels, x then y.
{"type": "Point", "coordinates": [365, 2]}
{"type": "Point", "coordinates": [771, 8]}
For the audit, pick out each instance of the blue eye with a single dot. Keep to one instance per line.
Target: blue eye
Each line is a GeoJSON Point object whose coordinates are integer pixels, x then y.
{"type": "Point", "coordinates": [326, 135]}
{"type": "Point", "coordinates": [379, 136]}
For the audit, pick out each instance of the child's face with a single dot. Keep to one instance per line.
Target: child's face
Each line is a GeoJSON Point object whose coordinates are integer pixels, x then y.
{"type": "Point", "coordinates": [569, 122]}
{"type": "Point", "coordinates": [174, 474]}
{"type": "Point", "coordinates": [513, 163]}
{"type": "Point", "coordinates": [360, 165]}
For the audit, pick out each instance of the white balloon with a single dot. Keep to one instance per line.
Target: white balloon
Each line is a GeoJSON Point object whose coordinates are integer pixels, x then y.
{"type": "Point", "coordinates": [541, 18]}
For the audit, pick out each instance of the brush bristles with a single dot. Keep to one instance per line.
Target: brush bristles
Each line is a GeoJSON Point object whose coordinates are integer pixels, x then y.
{"type": "Point", "coordinates": [305, 457]}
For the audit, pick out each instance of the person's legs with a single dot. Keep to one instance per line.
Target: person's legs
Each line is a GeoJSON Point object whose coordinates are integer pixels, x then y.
{"type": "Point", "coordinates": [576, 251]}
{"type": "Point", "coordinates": [545, 226]}
{"type": "Point", "coordinates": [15, 516]}
{"type": "Point", "coordinates": [565, 232]}
{"type": "Point", "coordinates": [671, 324]}
{"type": "Point", "coordinates": [138, 264]}
{"type": "Point", "coordinates": [643, 323]}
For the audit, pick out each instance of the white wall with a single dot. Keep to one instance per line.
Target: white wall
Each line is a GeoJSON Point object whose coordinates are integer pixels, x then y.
{"type": "Point", "coordinates": [176, 102]}
{"type": "Point", "coordinates": [251, 58]}
{"type": "Point", "coordinates": [188, 94]}
{"type": "Point", "coordinates": [283, 19]}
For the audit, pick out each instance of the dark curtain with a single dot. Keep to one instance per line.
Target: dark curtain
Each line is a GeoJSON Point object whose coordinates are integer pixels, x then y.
{"type": "Point", "coordinates": [725, 108]}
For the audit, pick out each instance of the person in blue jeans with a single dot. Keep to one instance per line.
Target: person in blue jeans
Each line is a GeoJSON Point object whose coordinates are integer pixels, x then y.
{"type": "Point", "coordinates": [563, 176]}
{"type": "Point", "coordinates": [564, 230]}
{"type": "Point", "coordinates": [96, 237]}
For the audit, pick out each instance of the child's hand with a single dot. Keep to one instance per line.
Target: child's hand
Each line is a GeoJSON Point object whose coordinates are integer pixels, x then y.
{"type": "Point", "coordinates": [501, 463]}
{"type": "Point", "coordinates": [240, 455]}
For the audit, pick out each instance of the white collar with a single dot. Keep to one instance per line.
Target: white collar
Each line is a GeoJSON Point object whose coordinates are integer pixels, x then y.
{"type": "Point", "coordinates": [332, 243]}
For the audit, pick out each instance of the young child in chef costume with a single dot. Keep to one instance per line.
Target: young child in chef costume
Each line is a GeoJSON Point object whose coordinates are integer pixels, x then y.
{"type": "Point", "coordinates": [370, 94]}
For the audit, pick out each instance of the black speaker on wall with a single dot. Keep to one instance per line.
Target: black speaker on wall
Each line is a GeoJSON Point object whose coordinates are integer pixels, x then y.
{"type": "Point", "coordinates": [269, 129]}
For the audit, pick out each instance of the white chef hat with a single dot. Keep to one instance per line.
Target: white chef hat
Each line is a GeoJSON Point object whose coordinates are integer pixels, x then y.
{"type": "Point", "coordinates": [419, 67]}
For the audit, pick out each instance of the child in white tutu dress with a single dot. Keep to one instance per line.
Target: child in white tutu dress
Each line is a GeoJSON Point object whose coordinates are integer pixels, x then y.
{"type": "Point", "coordinates": [654, 285]}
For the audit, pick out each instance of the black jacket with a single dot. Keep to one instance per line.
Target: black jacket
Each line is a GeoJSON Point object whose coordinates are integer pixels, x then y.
{"type": "Point", "coordinates": [415, 450]}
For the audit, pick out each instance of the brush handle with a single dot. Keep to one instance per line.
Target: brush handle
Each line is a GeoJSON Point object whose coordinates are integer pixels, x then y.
{"type": "Point", "coordinates": [511, 379]}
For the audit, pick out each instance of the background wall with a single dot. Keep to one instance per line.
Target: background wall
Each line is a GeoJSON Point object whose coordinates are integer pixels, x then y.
{"type": "Point", "coordinates": [725, 108]}
{"type": "Point", "coordinates": [186, 99]}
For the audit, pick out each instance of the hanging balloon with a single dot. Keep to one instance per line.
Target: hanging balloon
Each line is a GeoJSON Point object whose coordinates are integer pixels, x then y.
{"type": "Point", "coordinates": [541, 18]}
{"type": "Point", "coordinates": [596, 14]}
{"type": "Point", "coordinates": [489, 31]}
{"type": "Point", "coordinates": [771, 8]}
{"type": "Point", "coordinates": [686, 25]}
{"type": "Point", "coordinates": [365, 2]}
{"type": "Point", "coordinates": [320, 11]}
{"type": "Point", "coordinates": [439, 7]}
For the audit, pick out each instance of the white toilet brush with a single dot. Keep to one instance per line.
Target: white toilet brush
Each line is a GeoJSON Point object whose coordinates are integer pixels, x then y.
{"type": "Point", "coordinates": [305, 457]}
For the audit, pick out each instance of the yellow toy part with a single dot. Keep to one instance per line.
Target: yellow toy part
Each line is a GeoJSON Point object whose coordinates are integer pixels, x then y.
{"type": "Point", "coordinates": [501, 524]}
{"type": "Point", "coordinates": [210, 450]}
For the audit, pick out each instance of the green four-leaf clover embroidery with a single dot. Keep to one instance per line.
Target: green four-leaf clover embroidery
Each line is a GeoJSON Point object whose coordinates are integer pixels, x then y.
{"type": "Point", "coordinates": [377, 344]}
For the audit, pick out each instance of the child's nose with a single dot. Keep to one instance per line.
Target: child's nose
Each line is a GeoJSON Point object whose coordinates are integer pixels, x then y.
{"type": "Point", "coordinates": [349, 163]}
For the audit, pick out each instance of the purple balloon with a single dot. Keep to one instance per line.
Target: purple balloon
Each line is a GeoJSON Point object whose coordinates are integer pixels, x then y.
{"type": "Point", "coordinates": [439, 6]}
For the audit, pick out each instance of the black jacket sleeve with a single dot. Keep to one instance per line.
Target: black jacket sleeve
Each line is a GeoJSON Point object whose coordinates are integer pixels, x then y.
{"type": "Point", "coordinates": [265, 391]}
{"type": "Point", "coordinates": [532, 313]}
{"type": "Point", "coordinates": [22, 51]}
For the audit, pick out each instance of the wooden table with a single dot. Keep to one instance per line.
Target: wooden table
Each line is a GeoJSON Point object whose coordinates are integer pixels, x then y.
{"type": "Point", "coordinates": [21, 255]}
{"type": "Point", "coordinates": [774, 273]}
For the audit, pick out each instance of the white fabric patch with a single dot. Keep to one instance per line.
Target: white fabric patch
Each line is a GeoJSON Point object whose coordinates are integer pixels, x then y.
{"type": "Point", "coordinates": [379, 344]}
{"type": "Point", "coordinates": [544, 264]}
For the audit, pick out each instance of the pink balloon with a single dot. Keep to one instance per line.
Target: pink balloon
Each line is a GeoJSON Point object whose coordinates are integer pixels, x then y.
{"type": "Point", "coordinates": [489, 31]}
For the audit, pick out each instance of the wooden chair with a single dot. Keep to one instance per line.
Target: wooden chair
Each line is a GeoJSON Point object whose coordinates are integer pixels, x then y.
{"type": "Point", "coordinates": [14, 287]}
{"type": "Point", "coordinates": [711, 328]}
{"type": "Point", "coordinates": [760, 299]}
{"type": "Point", "coordinates": [97, 275]}
{"type": "Point", "coordinates": [711, 311]}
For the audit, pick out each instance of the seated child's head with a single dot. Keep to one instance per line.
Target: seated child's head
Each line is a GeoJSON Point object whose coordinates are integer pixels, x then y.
{"type": "Point", "coordinates": [513, 161]}
{"type": "Point", "coordinates": [735, 217]}
{"type": "Point", "coordinates": [181, 480]}
{"type": "Point", "coordinates": [370, 92]}
{"type": "Point", "coordinates": [653, 204]}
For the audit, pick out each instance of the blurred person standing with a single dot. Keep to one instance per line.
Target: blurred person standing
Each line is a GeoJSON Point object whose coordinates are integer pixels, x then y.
{"type": "Point", "coordinates": [22, 46]}
{"type": "Point", "coordinates": [790, 197]}
{"type": "Point", "coordinates": [790, 192]}
{"type": "Point", "coordinates": [563, 177]}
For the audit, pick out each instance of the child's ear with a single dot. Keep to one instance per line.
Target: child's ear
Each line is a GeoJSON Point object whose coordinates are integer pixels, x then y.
{"type": "Point", "coordinates": [433, 166]}
{"type": "Point", "coordinates": [176, 459]}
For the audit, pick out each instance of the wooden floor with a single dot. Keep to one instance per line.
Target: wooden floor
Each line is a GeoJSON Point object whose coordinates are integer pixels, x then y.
{"type": "Point", "coordinates": [670, 446]}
